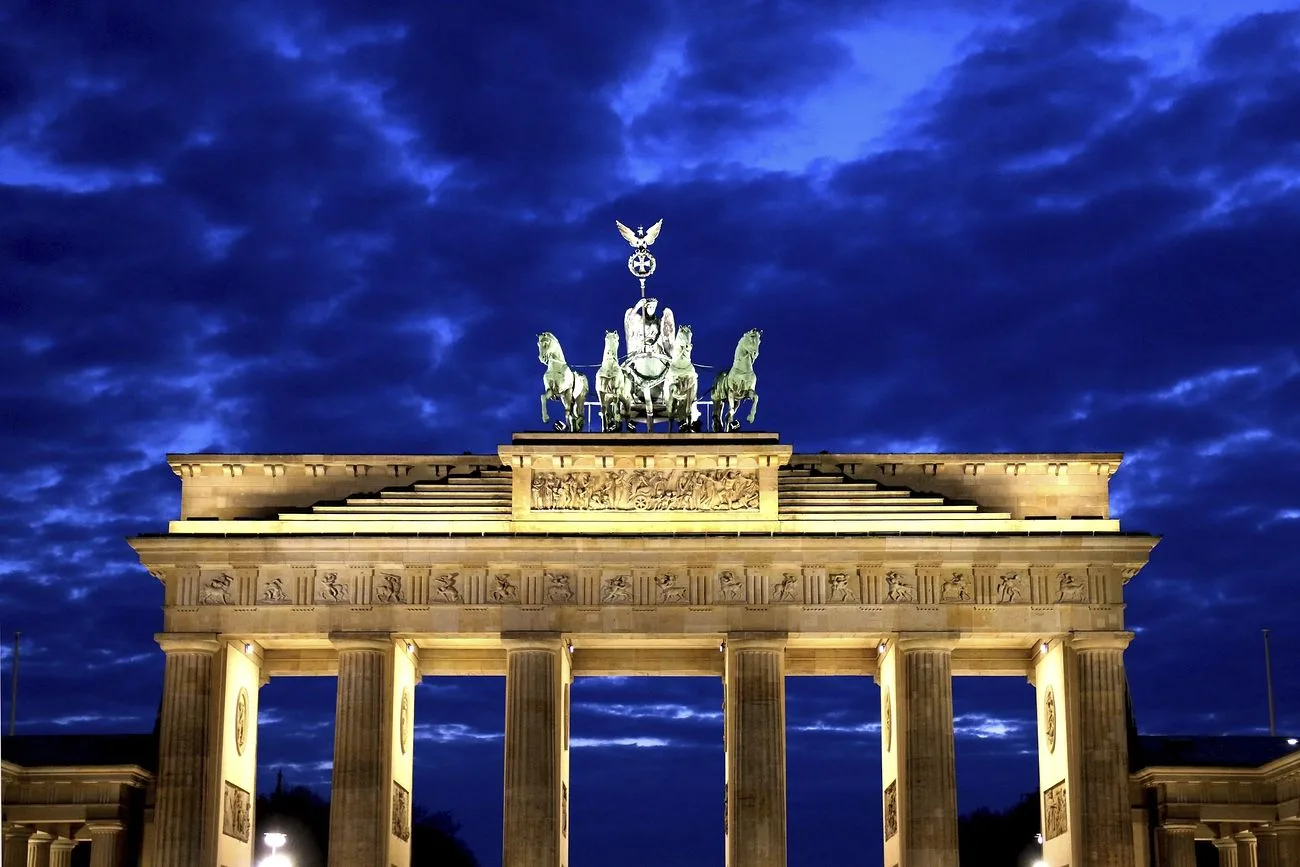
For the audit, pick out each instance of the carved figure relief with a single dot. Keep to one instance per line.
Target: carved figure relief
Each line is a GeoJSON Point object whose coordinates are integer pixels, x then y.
{"type": "Point", "coordinates": [1071, 589]}
{"type": "Point", "coordinates": [504, 591]}
{"type": "Point", "coordinates": [840, 591]}
{"type": "Point", "coordinates": [646, 491]}
{"type": "Point", "coordinates": [899, 589]}
{"type": "Point", "coordinates": [558, 588]}
{"type": "Point", "coordinates": [891, 810]}
{"type": "Point", "coordinates": [730, 588]}
{"type": "Point", "coordinates": [956, 588]}
{"type": "Point", "coordinates": [1049, 719]}
{"type": "Point", "coordinates": [887, 722]}
{"type": "Point", "coordinates": [236, 816]}
{"type": "Point", "coordinates": [332, 589]}
{"type": "Point", "coordinates": [446, 589]}
{"type": "Point", "coordinates": [404, 721]}
{"type": "Point", "coordinates": [241, 721]}
{"type": "Point", "coordinates": [615, 589]}
{"type": "Point", "coordinates": [273, 592]}
{"type": "Point", "coordinates": [670, 591]}
{"type": "Point", "coordinates": [1009, 589]}
{"type": "Point", "coordinates": [401, 813]}
{"type": "Point", "coordinates": [1056, 816]}
{"type": "Point", "coordinates": [784, 590]}
{"type": "Point", "coordinates": [389, 589]}
{"type": "Point", "coordinates": [216, 591]}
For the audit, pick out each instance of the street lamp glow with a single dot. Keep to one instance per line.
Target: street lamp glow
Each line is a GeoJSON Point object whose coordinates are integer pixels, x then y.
{"type": "Point", "coordinates": [274, 840]}
{"type": "Point", "coordinates": [1039, 863]}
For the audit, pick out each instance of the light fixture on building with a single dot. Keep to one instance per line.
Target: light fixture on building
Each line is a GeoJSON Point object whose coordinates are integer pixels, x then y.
{"type": "Point", "coordinates": [722, 647]}
{"type": "Point", "coordinates": [881, 648]}
{"type": "Point", "coordinates": [410, 648]}
{"type": "Point", "coordinates": [1042, 648]}
{"type": "Point", "coordinates": [248, 647]}
{"type": "Point", "coordinates": [274, 841]}
{"type": "Point", "coordinates": [569, 646]}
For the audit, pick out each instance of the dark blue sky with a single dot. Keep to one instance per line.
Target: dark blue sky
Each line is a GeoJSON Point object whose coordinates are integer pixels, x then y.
{"type": "Point", "coordinates": [230, 226]}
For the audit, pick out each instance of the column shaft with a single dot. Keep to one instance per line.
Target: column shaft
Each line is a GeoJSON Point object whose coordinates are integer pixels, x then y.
{"type": "Point", "coordinates": [755, 721]}
{"type": "Point", "coordinates": [360, 790]}
{"type": "Point", "coordinates": [1247, 850]}
{"type": "Point", "coordinates": [1266, 851]}
{"type": "Point", "coordinates": [1288, 845]}
{"type": "Point", "coordinates": [1103, 788]}
{"type": "Point", "coordinates": [535, 827]}
{"type": "Point", "coordinates": [38, 850]}
{"type": "Point", "coordinates": [61, 852]}
{"type": "Point", "coordinates": [927, 790]}
{"type": "Point", "coordinates": [106, 845]}
{"type": "Point", "coordinates": [15, 844]}
{"type": "Point", "coordinates": [181, 814]}
{"type": "Point", "coordinates": [1227, 852]}
{"type": "Point", "coordinates": [1178, 847]}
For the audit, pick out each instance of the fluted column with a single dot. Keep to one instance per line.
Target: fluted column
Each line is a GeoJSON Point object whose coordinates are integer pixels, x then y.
{"type": "Point", "coordinates": [918, 752]}
{"type": "Point", "coordinates": [1266, 851]}
{"type": "Point", "coordinates": [61, 852]}
{"type": "Point", "coordinates": [369, 816]}
{"type": "Point", "coordinates": [1288, 845]}
{"type": "Point", "coordinates": [754, 700]}
{"type": "Point", "coordinates": [535, 822]}
{"type": "Point", "coordinates": [183, 812]}
{"type": "Point", "coordinates": [1178, 846]}
{"type": "Point", "coordinates": [1102, 790]}
{"type": "Point", "coordinates": [1247, 850]}
{"type": "Point", "coordinates": [38, 849]}
{"type": "Point", "coordinates": [15, 843]}
{"type": "Point", "coordinates": [105, 844]}
{"type": "Point", "coordinates": [1227, 851]}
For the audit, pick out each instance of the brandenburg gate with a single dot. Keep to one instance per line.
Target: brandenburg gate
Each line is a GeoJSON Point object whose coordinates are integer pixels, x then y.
{"type": "Point", "coordinates": [716, 554]}
{"type": "Point", "coordinates": [564, 555]}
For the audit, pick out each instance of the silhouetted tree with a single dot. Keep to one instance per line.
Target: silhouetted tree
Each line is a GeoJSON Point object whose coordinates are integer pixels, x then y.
{"type": "Point", "coordinates": [1003, 838]}
{"type": "Point", "coordinates": [304, 816]}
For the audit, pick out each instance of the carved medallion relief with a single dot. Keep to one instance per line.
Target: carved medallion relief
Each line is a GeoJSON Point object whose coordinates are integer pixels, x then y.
{"type": "Point", "coordinates": [891, 810]}
{"type": "Point", "coordinates": [956, 588]}
{"type": "Point", "coordinates": [331, 589]}
{"type": "Point", "coordinates": [388, 589]}
{"type": "Point", "coordinates": [503, 589]}
{"type": "Point", "coordinates": [236, 817]}
{"type": "Point", "coordinates": [241, 721]}
{"type": "Point", "coordinates": [1071, 589]}
{"type": "Point", "coordinates": [669, 590]}
{"type": "Point", "coordinates": [273, 592]}
{"type": "Point", "coordinates": [217, 590]}
{"type": "Point", "coordinates": [616, 589]}
{"type": "Point", "coordinates": [899, 589]}
{"type": "Point", "coordinates": [887, 722]}
{"type": "Point", "coordinates": [645, 491]}
{"type": "Point", "coordinates": [1056, 817]}
{"type": "Point", "coordinates": [1010, 589]}
{"type": "Point", "coordinates": [731, 587]}
{"type": "Point", "coordinates": [1049, 719]}
{"type": "Point", "coordinates": [404, 721]}
{"type": "Point", "coordinates": [558, 588]}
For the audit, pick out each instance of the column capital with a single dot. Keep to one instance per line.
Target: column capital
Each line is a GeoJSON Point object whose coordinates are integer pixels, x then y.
{"type": "Point", "coordinates": [1245, 836]}
{"type": "Point", "coordinates": [105, 826]}
{"type": "Point", "coordinates": [757, 640]}
{"type": "Point", "coordinates": [188, 642]}
{"type": "Point", "coordinates": [14, 831]}
{"type": "Point", "coordinates": [906, 641]}
{"type": "Point", "coordinates": [63, 843]}
{"type": "Point", "coordinates": [541, 640]}
{"type": "Point", "coordinates": [1225, 843]}
{"type": "Point", "coordinates": [377, 641]}
{"type": "Point", "coordinates": [1084, 641]}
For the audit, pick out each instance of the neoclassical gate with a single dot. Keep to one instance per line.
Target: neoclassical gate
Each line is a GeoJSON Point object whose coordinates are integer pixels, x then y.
{"type": "Point", "coordinates": [605, 554]}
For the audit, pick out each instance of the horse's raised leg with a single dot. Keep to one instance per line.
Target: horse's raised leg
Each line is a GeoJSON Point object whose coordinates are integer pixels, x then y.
{"type": "Point", "coordinates": [753, 406]}
{"type": "Point", "coordinates": [546, 419]}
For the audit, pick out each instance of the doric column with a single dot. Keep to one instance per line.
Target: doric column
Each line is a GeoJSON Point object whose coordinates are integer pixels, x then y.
{"type": "Point", "coordinates": [184, 790]}
{"type": "Point", "coordinates": [370, 810]}
{"type": "Point", "coordinates": [754, 701]}
{"type": "Point", "coordinates": [918, 753]}
{"type": "Point", "coordinates": [536, 796]}
{"type": "Point", "coordinates": [38, 849]}
{"type": "Point", "coordinates": [1266, 851]}
{"type": "Point", "coordinates": [1103, 788]}
{"type": "Point", "coordinates": [1247, 850]}
{"type": "Point", "coordinates": [61, 852]}
{"type": "Point", "coordinates": [105, 844]}
{"type": "Point", "coordinates": [1288, 844]}
{"type": "Point", "coordinates": [1177, 846]}
{"type": "Point", "coordinates": [1227, 851]}
{"type": "Point", "coordinates": [15, 843]}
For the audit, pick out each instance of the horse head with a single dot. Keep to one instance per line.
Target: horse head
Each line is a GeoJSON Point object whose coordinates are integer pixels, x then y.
{"type": "Point", "coordinates": [548, 348]}
{"type": "Point", "coordinates": [683, 343]}
{"type": "Point", "coordinates": [611, 343]}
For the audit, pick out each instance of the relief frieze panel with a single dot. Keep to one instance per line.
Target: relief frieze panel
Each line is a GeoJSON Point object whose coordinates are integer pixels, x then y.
{"type": "Point", "coordinates": [236, 813]}
{"type": "Point", "coordinates": [1056, 816]}
{"type": "Point", "coordinates": [721, 490]}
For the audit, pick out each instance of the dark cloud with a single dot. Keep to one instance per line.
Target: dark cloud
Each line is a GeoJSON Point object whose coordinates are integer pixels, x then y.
{"type": "Point", "coordinates": [340, 227]}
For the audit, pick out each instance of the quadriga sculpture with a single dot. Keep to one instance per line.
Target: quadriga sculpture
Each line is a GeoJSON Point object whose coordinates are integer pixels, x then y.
{"type": "Point", "coordinates": [561, 382]}
{"type": "Point", "coordinates": [613, 388]}
{"type": "Point", "coordinates": [736, 384]}
{"type": "Point", "coordinates": [681, 385]}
